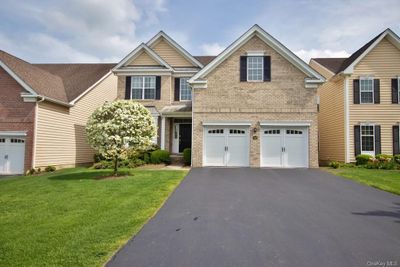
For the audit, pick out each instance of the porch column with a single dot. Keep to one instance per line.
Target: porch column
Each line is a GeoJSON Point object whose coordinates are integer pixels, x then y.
{"type": "Point", "coordinates": [162, 132]}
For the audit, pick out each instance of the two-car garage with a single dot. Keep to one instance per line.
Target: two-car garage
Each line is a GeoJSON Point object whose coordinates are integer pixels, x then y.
{"type": "Point", "coordinates": [280, 145]}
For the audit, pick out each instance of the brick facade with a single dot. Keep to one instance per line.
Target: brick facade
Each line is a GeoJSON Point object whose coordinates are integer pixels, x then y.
{"type": "Point", "coordinates": [15, 114]}
{"type": "Point", "coordinates": [226, 99]}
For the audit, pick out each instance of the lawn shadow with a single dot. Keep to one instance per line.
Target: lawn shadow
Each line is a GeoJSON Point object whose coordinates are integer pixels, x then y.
{"type": "Point", "coordinates": [383, 213]}
{"type": "Point", "coordinates": [84, 175]}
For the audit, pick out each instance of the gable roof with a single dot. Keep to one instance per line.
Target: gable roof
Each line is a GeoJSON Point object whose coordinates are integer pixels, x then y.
{"type": "Point", "coordinates": [136, 52]}
{"type": "Point", "coordinates": [347, 64]}
{"type": "Point", "coordinates": [77, 77]}
{"type": "Point", "coordinates": [175, 45]}
{"type": "Point", "coordinates": [60, 83]}
{"type": "Point", "coordinates": [272, 42]}
{"type": "Point", "coordinates": [332, 64]}
{"type": "Point", "coordinates": [205, 59]}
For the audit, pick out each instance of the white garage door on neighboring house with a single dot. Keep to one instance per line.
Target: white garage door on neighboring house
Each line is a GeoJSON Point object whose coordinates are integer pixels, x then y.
{"type": "Point", "coordinates": [284, 147]}
{"type": "Point", "coordinates": [226, 146]}
{"type": "Point", "coordinates": [12, 155]}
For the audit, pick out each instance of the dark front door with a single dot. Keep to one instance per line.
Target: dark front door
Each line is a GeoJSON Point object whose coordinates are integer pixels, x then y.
{"type": "Point", "coordinates": [185, 136]}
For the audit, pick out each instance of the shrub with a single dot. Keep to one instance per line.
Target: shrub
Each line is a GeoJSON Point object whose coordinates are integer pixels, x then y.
{"type": "Point", "coordinates": [381, 165]}
{"type": "Point", "coordinates": [397, 158]}
{"type": "Point", "coordinates": [50, 169]}
{"type": "Point", "coordinates": [363, 159]}
{"type": "Point", "coordinates": [104, 164]}
{"type": "Point", "coordinates": [384, 157]}
{"type": "Point", "coordinates": [187, 156]}
{"type": "Point", "coordinates": [334, 164]}
{"type": "Point", "coordinates": [160, 156]}
{"type": "Point", "coordinates": [97, 157]}
{"type": "Point", "coordinates": [30, 171]}
{"type": "Point", "coordinates": [146, 158]}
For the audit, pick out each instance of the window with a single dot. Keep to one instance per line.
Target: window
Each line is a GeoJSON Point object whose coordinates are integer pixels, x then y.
{"type": "Point", "coordinates": [2, 140]}
{"type": "Point", "coordinates": [366, 90]}
{"type": "Point", "coordinates": [367, 139]}
{"type": "Point", "coordinates": [17, 140]}
{"type": "Point", "coordinates": [255, 68]}
{"type": "Point", "coordinates": [143, 87]}
{"type": "Point", "coordinates": [216, 131]}
{"type": "Point", "coordinates": [185, 90]}
{"type": "Point", "coordinates": [272, 132]}
{"type": "Point", "coordinates": [294, 132]}
{"type": "Point", "coordinates": [236, 131]}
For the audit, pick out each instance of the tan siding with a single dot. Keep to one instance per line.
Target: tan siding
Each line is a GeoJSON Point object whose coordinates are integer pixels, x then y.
{"type": "Point", "coordinates": [331, 121]}
{"type": "Point", "coordinates": [170, 55]}
{"type": "Point", "coordinates": [322, 70]}
{"type": "Point", "coordinates": [143, 60]}
{"type": "Point", "coordinates": [61, 138]}
{"type": "Point", "coordinates": [383, 62]}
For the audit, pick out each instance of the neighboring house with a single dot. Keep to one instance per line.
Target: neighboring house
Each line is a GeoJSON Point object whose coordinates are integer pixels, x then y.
{"type": "Point", "coordinates": [359, 103]}
{"type": "Point", "coordinates": [255, 104]}
{"type": "Point", "coordinates": [44, 109]}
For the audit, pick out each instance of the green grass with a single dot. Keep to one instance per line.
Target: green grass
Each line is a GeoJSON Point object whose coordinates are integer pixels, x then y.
{"type": "Point", "coordinates": [388, 180]}
{"type": "Point", "coordinates": [68, 218]}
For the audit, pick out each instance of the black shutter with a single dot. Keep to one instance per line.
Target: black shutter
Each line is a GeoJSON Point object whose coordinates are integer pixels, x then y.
{"type": "Point", "coordinates": [243, 69]}
{"type": "Point", "coordinates": [356, 91]}
{"type": "Point", "coordinates": [158, 87]}
{"type": "Point", "coordinates": [395, 91]}
{"type": "Point", "coordinates": [357, 143]}
{"type": "Point", "coordinates": [267, 68]}
{"type": "Point", "coordinates": [377, 91]}
{"type": "Point", "coordinates": [128, 90]}
{"type": "Point", "coordinates": [177, 89]}
{"type": "Point", "coordinates": [377, 139]}
{"type": "Point", "coordinates": [396, 142]}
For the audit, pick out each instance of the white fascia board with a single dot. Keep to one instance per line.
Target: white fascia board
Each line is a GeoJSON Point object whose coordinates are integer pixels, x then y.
{"type": "Point", "coordinates": [17, 78]}
{"type": "Point", "coordinates": [172, 42]}
{"type": "Point", "coordinates": [286, 123]}
{"type": "Point", "coordinates": [13, 133]}
{"type": "Point", "coordinates": [226, 123]}
{"type": "Point", "coordinates": [395, 40]}
{"type": "Point", "coordinates": [136, 52]}
{"type": "Point", "coordinates": [90, 88]}
{"type": "Point", "coordinates": [271, 41]}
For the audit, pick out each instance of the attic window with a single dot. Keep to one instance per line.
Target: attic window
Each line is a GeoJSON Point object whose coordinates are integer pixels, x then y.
{"type": "Point", "coordinates": [255, 68]}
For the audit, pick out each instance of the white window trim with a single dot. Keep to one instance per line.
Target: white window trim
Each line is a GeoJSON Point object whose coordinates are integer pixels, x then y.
{"type": "Point", "coordinates": [143, 87]}
{"type": "Point", "coordinates": [372, 153]}
{"type": "Point", "coordinates": [262, 69]}
{"type": "Point", "coordinates": [180, 90]}
{"type": "Point", "coordinates": [373, 89]}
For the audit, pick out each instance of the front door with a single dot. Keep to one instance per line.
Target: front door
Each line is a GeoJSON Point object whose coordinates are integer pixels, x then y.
{"type": "Point", "coordinates": [185, 136]}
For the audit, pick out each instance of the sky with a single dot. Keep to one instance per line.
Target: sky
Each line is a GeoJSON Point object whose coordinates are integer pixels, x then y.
{"type": "Point", "coordinates": [107, 30]}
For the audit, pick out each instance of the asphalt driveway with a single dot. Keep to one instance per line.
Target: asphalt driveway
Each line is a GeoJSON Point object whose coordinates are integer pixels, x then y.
{"type": "Point", "coordinates": [265, 217]}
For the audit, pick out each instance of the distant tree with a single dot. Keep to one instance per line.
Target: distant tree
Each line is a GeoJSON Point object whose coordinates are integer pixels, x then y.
{"type": "Point", "coordinates": [117, 127]}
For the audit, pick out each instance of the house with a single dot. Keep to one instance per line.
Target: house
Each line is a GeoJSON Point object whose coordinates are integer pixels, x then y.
{"type": "Point", "coordinates": [255, 104]}
{"type": "Point", "coordinates": [44, 109]}
{"type": "Point", "coordinates": [359, 103]}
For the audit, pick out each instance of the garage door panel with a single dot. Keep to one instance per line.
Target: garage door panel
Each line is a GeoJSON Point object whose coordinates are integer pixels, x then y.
{"type": "Point", "coordinates": [295, 151]}
{"type": "Point", "coordinates": [214, 146]}
{"type": "Point", "coordinates": [238, 148]}
{"type": "Point", "coordinates": [12, 154]}
{"type": "Point", "coordinates": [271, 150]}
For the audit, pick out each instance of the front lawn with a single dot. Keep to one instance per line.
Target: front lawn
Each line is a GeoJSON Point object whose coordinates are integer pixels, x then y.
{"type": "Point", "coordinates": [388, 180]}
{"type": "Point", "coordinates": [68, 218]}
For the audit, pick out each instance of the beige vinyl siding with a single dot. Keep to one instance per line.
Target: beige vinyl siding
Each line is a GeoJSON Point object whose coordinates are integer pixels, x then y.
{"type": "Point", "coordinates": [170, 54]}
{"type": "Point", "coordinates": [61, 138]}
{"type": "Point", "coordinates": [383, 62]}
{"type": "Point", "coordinates": [331, 121]}
{"type": "Point", "coordinates": [321, 69]}
{"type": "Point", "coordinates": [143, 60]}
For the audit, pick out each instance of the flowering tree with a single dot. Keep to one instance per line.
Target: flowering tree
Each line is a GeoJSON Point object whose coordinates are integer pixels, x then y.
{"type": "Point", "coordinates": [117, 127]}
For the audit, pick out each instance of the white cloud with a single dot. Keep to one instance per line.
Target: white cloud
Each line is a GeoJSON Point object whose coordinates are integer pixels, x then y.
{"type": "Point", "coordinates": [306, 55]}
{"type": "Point", "coordinates": [212, 49]}
{"type": "Point", "coordinates": [84, 31]}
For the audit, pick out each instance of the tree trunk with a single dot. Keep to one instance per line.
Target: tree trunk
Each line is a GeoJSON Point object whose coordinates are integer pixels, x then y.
{"type": "Point", "coordinates": [115, 166]}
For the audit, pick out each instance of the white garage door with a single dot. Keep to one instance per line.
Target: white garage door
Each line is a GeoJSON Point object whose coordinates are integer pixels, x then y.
{"type": "Point", "coordinates": [284, 147]}
{"type": "Point", "coordinates": [12, 155]}
{"type": "Point", "coordinates": [226, 146]}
